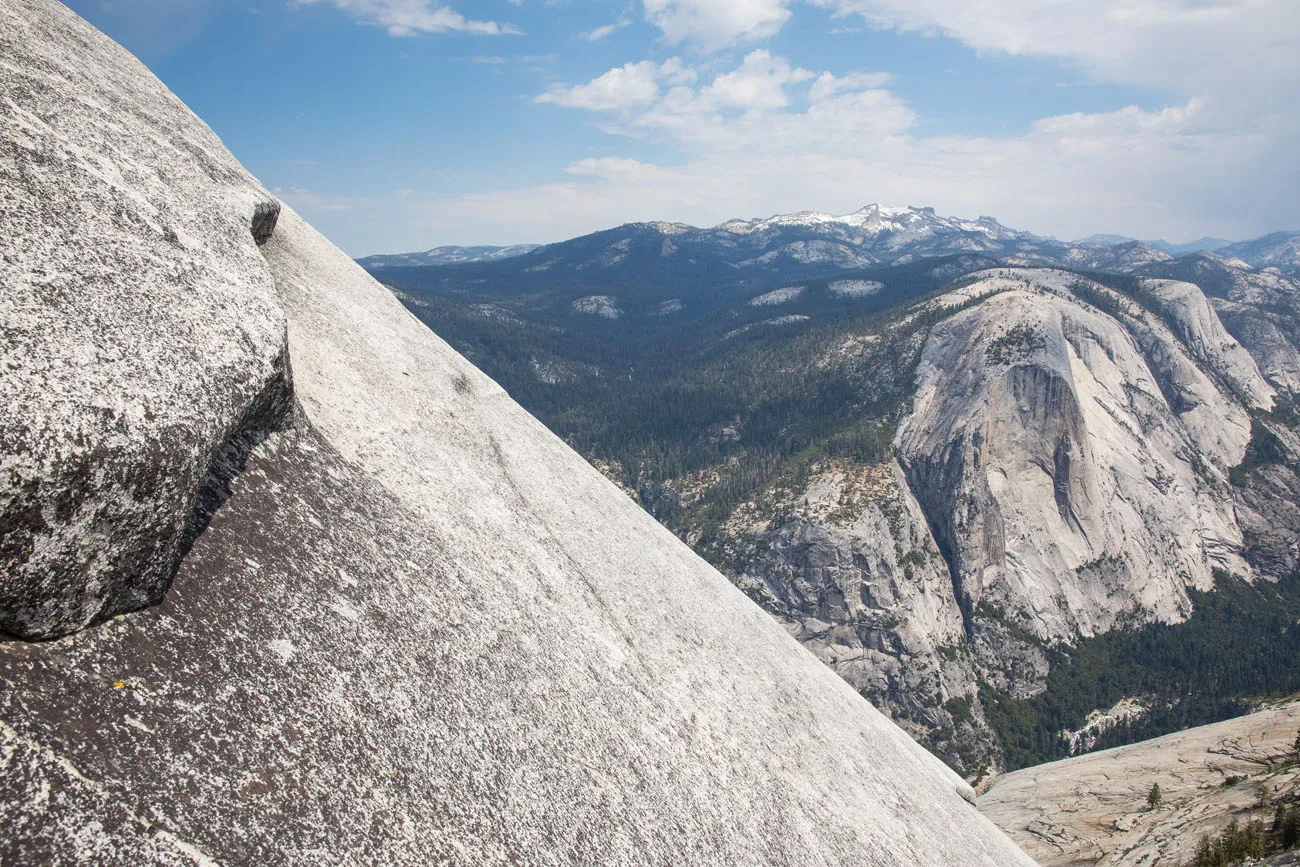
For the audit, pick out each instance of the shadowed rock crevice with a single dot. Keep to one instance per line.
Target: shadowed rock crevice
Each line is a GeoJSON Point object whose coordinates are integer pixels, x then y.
{"type": "Point", "coordinates": [143, 575]}
{"type": "Point", "coordinates": [270, 411]}
{"type": "Point", "coordinates": [931, 479]}
{"type": "Point", "coordinates": [273, 410]}
{"type": "Point", "coordinates": [95, 520]}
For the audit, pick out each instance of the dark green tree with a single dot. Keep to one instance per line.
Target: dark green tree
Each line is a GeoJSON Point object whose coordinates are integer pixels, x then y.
{"type": "Point", "coordinates": [1291, 829]}
{"type": "Point", "coordinates": [1155, 797]}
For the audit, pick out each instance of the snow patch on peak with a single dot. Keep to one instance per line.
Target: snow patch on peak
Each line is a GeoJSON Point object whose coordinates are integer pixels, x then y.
{"type": "Point", "coordinates": [666, 228]}
{"type": "Point", "coordinates": [878, 210]}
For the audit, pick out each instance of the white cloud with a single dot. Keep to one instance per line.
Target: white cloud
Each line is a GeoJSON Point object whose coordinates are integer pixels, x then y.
{"type": "Point", "coordinates": [742, 110]}
{"type": "Point", "coordinates": [1186, 47]}
{"type": "Point", "coordinates": [600, 33]}
{"type": "Point", "coordinates": [408, 17]}
{"type": "Point", "coordinates": [629, 86]}
{"type": "Point", "coordinates": [758, 84]}
{"type": "Point", "coordinates": [673, 71]}
{"type": "Point", "coordinates": [712, 24]}
{"type": "Point", "coordinates": [1180, 46]}
{"type": "Point", "coordinates": [621, 169]}
{"type": "Point", "coordinates": [828, 85]}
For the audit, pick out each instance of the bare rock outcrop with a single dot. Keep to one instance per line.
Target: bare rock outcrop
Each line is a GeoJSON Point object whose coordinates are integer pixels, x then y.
{"type": "Point", "coordinates": [1061, 483]}
{"type": "Point", "coordinates": [849, 565]}
{"type": "Point", "coordinates": [142, 333]}
{"type": "Point", "coordinates": [1262, 334]}
{"type": "Point", "coordinates": [418, 629]}
{"type": "Point", "coordinates": [1093, 810]}
{"type": "Point", "coordinates": [1200, 330]}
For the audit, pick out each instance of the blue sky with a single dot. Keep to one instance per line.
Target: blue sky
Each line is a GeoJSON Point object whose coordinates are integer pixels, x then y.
{"type": "Point", "coordinates": [398, 125]}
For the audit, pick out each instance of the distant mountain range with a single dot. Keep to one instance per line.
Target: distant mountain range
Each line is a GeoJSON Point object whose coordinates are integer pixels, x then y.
{"type": "Point", "coordinates": [810, 244]}
{"type": "Point", "coordinates": [1278, 250]}
{"type": "Point", "coordinates": [1201, 245]}
{"type": "Point", "coordinates": [451, 255]}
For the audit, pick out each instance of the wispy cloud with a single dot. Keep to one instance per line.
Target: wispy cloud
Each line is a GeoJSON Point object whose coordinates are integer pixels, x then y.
{"type": "Point", "coordinates": [629, 86]}
{"type": "Point", "coordinates": [410, 17]}
{"type": "Point", "coordinates": [1160, 44]}
{"type": "Point", "coordinates": [600, 33]}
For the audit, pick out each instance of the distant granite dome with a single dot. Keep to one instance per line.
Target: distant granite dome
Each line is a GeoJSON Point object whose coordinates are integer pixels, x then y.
{"type": "Point", "coordinates": [407, 624]}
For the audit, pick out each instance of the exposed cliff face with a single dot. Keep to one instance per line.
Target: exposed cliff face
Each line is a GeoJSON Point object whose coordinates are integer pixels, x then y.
{"type": "Point", "coordinates": [419, 630]}
{"type": "Point", "coordinates": [1268, 501]}
{"type": "Point", "coordinates": [1260, 308]}
{"type": "Point", "coordinates": [1059, 480]}
{"type": "Point", "coordinates": [1263, 334]}
{"type": "Point", "coordinates": [1200, 330]}
{"type": "Point", "coordinates": [850, 567]}
{"type": "Point", "coordinates": [1071, 462]}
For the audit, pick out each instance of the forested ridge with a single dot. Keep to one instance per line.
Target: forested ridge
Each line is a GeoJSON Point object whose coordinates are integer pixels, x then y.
{"type": "Point", "coordinates": [1241, 643]}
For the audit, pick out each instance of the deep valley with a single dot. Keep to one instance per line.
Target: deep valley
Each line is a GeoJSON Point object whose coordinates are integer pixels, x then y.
{"type": "Point", "coordinates": [999, 483]}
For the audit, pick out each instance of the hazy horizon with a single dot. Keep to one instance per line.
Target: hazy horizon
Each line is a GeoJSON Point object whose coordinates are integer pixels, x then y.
{"type": "Point", "coordinates": [408, 124]}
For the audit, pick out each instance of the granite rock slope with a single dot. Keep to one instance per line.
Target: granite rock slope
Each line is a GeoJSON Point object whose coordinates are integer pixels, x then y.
{"type": "Point", "coordinates": [849, 565]}
{"type": "Point", "coordinates": [415, 628]}
{"type": "Point", "coordinates": [1042, 445]}
{"type": "Point", "coordinates": [1202, 332]}
{"type": "Point", "coordinates": [127, 246]}
{"type": "Point", "coordinates": [1071, 466]}
{"type": "Point", "coordinates": [1264, 334]}
{"type": "Point", "coordinates": [1092, 810]}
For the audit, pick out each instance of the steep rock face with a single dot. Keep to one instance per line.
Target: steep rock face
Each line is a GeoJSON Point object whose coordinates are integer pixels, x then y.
{"type": "Point", "coordinates": [1261, 333]}
{"type": "Point", "coordinates": [1199, 328]}
{"type": "Point", "coordinates": [1059, 481]}
{"type": "Point", "coordinates": [420, 629]}
{"type": "Point", "coordinates": [1214, 421]}
{"type": "Point", "coordinates": [171, 337]}
{"type": "Point", "coordinates": [1268, 501]}
{"type": "Point", "coordinates": [1260, 308]}
{"type": "Point", "coordinates": [850, 566]}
